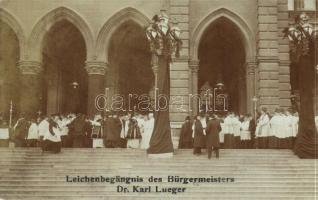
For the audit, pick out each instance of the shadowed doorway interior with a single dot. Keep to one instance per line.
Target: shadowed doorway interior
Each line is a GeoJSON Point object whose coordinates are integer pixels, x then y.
{"type": "Point", "coordinates": [130, 63]}
{"type": "Point", "coordinates": [64, 76]}
{"type": "Point", "coordinates": [222, 59]}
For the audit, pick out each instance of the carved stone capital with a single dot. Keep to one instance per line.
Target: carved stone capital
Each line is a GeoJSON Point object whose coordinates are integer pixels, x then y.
{"type": "Point", "coordinates": [96, 67]}
{"type": "Point", "coordinates": [250, 67]}
{"type": "Point", "coordinates": [30, 67]}
{"type": "Point", "coordinates": [154, 60]}
{"type": "Point", "coordinates": [194, 65]}
{"type": "Point", "coordinates": [155, 69]}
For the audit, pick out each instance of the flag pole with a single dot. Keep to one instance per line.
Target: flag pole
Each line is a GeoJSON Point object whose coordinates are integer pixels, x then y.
{"type": "Point", "coordinates": [11, 111]}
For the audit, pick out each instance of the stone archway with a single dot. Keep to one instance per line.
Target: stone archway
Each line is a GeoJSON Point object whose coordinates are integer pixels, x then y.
{"type": "Point", "coordinates": [108, 29]}
{"type": "Point", "coordinates": [51, 18]}
{"type": "Point", "coordinates": [10, 20]}
{"type": "Point", "coordinates": [248, 43]}
{"type": "Point", "coordinates": [12, 45]}
{"type": "Point", "coordinates": [130, 71]}
{"type": "Point", "coordinates": [126, 24]}
{"type": "Point", "coordinates": [64, 78]}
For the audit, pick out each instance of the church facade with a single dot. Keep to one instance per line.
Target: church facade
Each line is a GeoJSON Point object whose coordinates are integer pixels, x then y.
{"type": "Point", "coordinates": [58, 56]}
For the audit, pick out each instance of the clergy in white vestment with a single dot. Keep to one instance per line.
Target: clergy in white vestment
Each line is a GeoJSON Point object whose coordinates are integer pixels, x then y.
{"type": "Point", "coordinates": [96, 123]}
{"type": "Point", "coordinates": [245, 133]}
{"type": "Point", "coordinates": [147, 131]}
{"type": "Point", "coordinates": [236, 132]}
{"type": "Point", "coordinates": [262, 129]}
{"type": "Point", "coordinates": [229, 123]}
{"type": "Point", "coordinates": [221, 134]}
{"type": "Point", "coordinates": [33, 134]}
{"type": "Point", "coordinates": [289, 129]}
{"type": "Point", "coordinates": [49, 135]}
{"type": "Point", "coordinates": [282, 130]}
{"type": "Point", "coordinates": [295, 127]}
{"type": "Point", "coordinates": [133, 132]}
{"type": "Point", "coordinates": [4, 134]}
{"type": "Point", "coordinates": [274, 130]}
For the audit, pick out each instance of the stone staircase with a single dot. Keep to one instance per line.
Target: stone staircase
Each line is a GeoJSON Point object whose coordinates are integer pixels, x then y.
{"type": "Point", "coordinates": [29, 174]}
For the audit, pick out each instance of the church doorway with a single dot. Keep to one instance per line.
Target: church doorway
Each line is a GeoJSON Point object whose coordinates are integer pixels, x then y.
{"type": "Point", "coordinates": [222, 60]}
{"type": "Point", "coordinates": [130, 74]}
{"type": "Point", "coordinates": [64, 83]}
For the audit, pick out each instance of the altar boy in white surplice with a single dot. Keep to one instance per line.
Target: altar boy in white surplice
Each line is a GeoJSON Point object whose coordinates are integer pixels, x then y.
{"type": "Point", "coordinates": [262, 129]}
{"type": "Point", "coordinates": [147, 131]}
{"type": "Point", "coordinates": [229, 122]}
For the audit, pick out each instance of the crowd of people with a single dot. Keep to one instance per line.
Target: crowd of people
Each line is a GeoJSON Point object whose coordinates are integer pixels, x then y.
{"type": "Point", "coordinates": [275, 130]}
{"type": "Point", "coordinates": [78, 131]}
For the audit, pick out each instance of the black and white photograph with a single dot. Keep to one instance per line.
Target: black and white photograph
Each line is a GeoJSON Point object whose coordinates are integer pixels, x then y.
{"type": "Point", "coordinates": [158, 99]}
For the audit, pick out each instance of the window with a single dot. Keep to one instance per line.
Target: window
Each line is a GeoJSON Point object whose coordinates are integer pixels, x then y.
{"type": "Point", "coordinates": [301, 5]}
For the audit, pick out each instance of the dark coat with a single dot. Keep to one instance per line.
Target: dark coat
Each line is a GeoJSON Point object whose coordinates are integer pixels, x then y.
{"type": "Point", "coordinates": [79, 126]}
{"type": "Point", "coordinates": [21, 130]}
{"type": "Point", "coordinates": [112, 127]}
{"type": "Point", "coordinates": [133, 129]}
{"type": "Point", "coordinates": [198, 135]}
{"type": "Point", "coordinates": [212, 133]}
{"type": "Point", "coordinates": [185, 135]}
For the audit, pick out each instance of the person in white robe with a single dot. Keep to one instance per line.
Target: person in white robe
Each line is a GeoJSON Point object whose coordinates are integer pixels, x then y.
{"type": "Point", "coordinates": [289, 129]}
{"type": "Point", "coordinates": [262, 129]}
{"type": "Point", "coordinates": [133, 132]}
{"type": "Point", "coordinates": [295, 127]}
{"type": "Point", "coordinates": [274, 130]}
{"type": "Point", "coordinates": [222, 133]}
{"type": "Point", "coordinates": [49, 135]}
{"type": "Point", "coordinates": [33, 134]}
{"type": "Point", "coordinates": [96, 123]}
{"type": "Point", "coordinates": [4, 134]}
{"type": "Point", "coordinates": [236, 123]}
{"type": "Point", "coordinates": [147, 132]}
{"type": "Point", "coordinates": [229, 123]}
{"type": "Point", "coordinates": [245, 133]}
{"type": "Point", "coordinates": [282, 129]}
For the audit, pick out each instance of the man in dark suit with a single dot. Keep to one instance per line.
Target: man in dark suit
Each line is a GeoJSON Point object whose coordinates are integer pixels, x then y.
{"type": "Point", "coordinates": [198, 136]}
{"type": "Point", "coordinates": [21, 132]}
{"type": "Point", "coordinates": [212, 136]}
{"type": "Point", "coordinates": [79, 131]}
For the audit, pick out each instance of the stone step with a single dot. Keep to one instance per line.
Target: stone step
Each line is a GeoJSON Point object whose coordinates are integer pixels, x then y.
{"type": "Point", "coordinates": [164, 165]}
{"type": "Point", "coordinates": [259, 174]}
{"type": "Point", "coordinates": [37, 151]}
{"type": "Point", "coordinates": [144, 157]}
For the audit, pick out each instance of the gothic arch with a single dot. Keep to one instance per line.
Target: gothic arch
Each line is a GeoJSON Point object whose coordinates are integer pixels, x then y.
{"type": "Point", "coordinates": [105, 34]}
{"type": "Point", "coordinates": [47, 21]}
{"type": "Point", "coordinates": [12, 22]}
{"type": "Point", "coordinates": [248, 37]}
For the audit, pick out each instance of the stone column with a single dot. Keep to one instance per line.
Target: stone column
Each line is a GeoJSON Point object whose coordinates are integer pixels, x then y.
{"type": "Point", "coordinates": [194, 67]}
{"type": "Point", "coordinates": [283, 54]}
{"type": "Point", "coordinates": [31, 88]}
{"type": "Point", "coordinates": [268, 60]}
{"type": "Point", "coordinates": [251, 81]}
{"type": "Point", "coordinates": [96, 75]}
